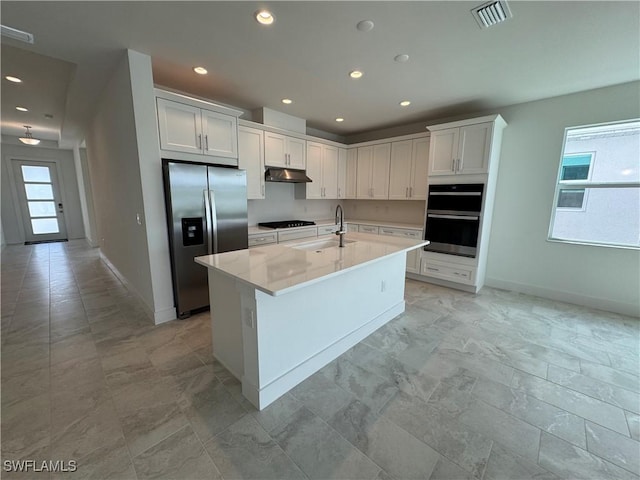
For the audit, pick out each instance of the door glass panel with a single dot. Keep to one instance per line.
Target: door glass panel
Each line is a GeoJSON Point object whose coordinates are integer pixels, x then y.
{"type": "Point", "coordinates": [44, 225]}
{"type": "Point", "coordinates": [35, 174]}
{"type": "Point", "coordinates": [38, 192]}
{"type": "Point", "coordinates": [42, 209]}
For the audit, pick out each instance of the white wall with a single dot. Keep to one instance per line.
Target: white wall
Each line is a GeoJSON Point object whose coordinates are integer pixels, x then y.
{"type": "Point", "coordinates": [86, 198]}
{"type": "Point", "coordinates": [520, 257]}
{"type": "Point", "coordinates": [13, 229]}
{"type": "Point", "coordinates": [112, 151]}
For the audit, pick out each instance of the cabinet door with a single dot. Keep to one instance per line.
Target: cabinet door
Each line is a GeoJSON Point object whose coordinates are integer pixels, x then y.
{"type": "Point", "coordinates": [380, 173]}
{"type": "Point", "coordinates": [274, 149]}
{"type": "Point", "coordinates": [474, 148]}
{"type": "Point", "coordinates": [297, 149]}
{"type": "Point", "coordinates": [400, 171]}
{"type": "Point", "coordinates": [443, 152]}
{"type": "Point", "coordinates": [342, 173]}
{"type": "Point", "coordinates": [330, 171]}
{"type": "Point", "coordinates": [220, 137]}
{"type": "Point", "coordinates": [413, 261]}
{"type": "Point", "coordinates": [314, 170]}
{"type": "Point", "coordinates": [180, 127]}
{"type": "Point", "coordinates": [419, 164]}
{"type": "Point", "coordinates": [251, 159]}
{"type": "Point", "coordinates": [352, 173]}
{"type": "Point", "coordinates": [363, 179]}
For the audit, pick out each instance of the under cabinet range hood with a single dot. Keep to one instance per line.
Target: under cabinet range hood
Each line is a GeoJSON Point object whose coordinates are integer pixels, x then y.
{"type": "Point", "coordinates": [287, 175]}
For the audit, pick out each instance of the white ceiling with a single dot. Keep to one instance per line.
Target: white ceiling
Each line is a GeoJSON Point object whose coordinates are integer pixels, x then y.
{"type": "Point", "coordinates": [546, 49]}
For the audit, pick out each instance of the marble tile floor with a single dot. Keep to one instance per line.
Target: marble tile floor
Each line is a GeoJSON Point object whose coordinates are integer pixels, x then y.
{"type": "Point", "coordinates": [490, 386]}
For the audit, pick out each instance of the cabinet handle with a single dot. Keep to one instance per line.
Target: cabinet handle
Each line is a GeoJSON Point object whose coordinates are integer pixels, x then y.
{"type": "Point", "coordinates": [206, 142]}
{"type": "Point", "coordinates": [433, 269]}
{"type": "Point", "coordinates": [262, 190]}
{"type": "Point", "coordinates": [339, 193]}
{"type": "Point", "coordinates": [410, 192]}
{"type": "Point", "coordinates": [453, 164]}
{"type": "Point", "coordinates": [460, 164]}
{"type": "Point", "coordinates": [406, 192]}
{"type": "Point", "coordinates": [200, 141]}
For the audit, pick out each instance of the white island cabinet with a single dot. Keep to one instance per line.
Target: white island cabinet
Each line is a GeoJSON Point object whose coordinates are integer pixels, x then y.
{"type": "Point", "coordinates": [279, 313]}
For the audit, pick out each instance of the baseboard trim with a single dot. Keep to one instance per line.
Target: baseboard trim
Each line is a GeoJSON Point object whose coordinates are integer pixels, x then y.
{"type": "Point", "coordinates": [597, 303]}
{"type": "Point", "coordinates": [158, 317]}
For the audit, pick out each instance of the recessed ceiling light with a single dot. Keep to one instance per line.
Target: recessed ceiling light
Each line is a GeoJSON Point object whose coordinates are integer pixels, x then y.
{"type": "Point", "coordinates": [339, 119]}
{"type": "Point", "coordinates": [405, 103]}
{"type": "Point", "coordinates": [403, 57]}
{"type": "Point", "coordinates": [265, 17]}
{"type": "Point", "coordinates": [365, 25]}
{"type": "Point", "coordinates": [13, 79]}
{"type": "Point", "coordinates": [200, 70]}
{"type": "Point", "coordinates": [22, 109]}
{"type": "Point", "coordinates": [287, 101]}
{"type": "Point", "coordinates": [356, 74]}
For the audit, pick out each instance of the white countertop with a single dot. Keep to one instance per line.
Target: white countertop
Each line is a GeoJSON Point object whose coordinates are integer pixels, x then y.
{"type": "Point", "coordinates": [257, 230]}
{"type": "Point", "coordinates": [280, 268]}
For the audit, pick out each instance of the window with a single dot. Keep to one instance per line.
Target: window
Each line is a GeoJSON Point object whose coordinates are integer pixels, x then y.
{"type": "Point", "coordinates": [597, 198]}
{"type": "Point", "coordinates": [574, 167]}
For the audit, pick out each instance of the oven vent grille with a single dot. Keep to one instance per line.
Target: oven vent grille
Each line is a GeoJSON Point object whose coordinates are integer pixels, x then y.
{"type": "Point", "coordinates": [491, 13]}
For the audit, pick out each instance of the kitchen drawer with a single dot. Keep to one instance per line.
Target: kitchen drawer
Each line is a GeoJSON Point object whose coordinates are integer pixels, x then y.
{"type": "Point", "coordinates": [294, 234]}
{"type": "Point", "coordinates": [327, 229]}
{"type": "Point", "coordinates": [454, 273]}
{"type": "Point", "coordinates": [262, 239]}
{"type": "Point", "coordinates": [401, 232]}
{"type": "Point", "coordinates": [368, 229]}
{"type": "Point", "coordinates": [352, 227]}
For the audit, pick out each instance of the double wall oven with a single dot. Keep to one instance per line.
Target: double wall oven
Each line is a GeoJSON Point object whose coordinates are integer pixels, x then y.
{"type": "Point", "coordinates": [453, 218]}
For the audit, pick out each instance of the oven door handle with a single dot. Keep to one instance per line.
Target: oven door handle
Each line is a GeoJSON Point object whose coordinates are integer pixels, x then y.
{"type": "Point", "coordinates": [453, 217]}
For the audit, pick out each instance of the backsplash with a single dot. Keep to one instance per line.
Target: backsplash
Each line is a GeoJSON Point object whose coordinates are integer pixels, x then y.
{"type": "Point", "coordinates": [280, 204]}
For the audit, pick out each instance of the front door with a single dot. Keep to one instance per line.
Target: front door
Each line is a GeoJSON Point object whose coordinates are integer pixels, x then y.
{"type": "Point", "coordinates": [40, 201]}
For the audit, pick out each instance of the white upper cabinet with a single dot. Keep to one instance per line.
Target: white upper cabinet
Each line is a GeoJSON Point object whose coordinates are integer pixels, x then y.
{"type": "Point", "coordinates": [189, 129]}
{"type": "Point", "coordinates": [419, 167]}
{"type": "Point", "coordinates": [373, 171]}
{"type": "Point", "coordinates": [460, 150]}
{"type": "Point", "coordinates": [351, 177]}
{"type": "Point", "coordinates": [251, 159]}
{"type": "Point", "coordinates": [342, 173]}
{"type": "Point", "coordinates": [284, 151]}
{"type": "Point", "coordinates": [400, 172]}
{"type": "Point", "coordinates": [322, 168]}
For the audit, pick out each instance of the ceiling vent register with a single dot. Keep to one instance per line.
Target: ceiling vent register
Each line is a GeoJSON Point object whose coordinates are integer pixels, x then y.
{"type": "Point", "coordinates": [491, 13]}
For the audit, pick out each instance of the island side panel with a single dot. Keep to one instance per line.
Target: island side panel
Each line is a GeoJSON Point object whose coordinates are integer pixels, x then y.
{"type": "Point", "coordinates": [297, 333]}
{"type": "Point", "coordinates": [226, 322]}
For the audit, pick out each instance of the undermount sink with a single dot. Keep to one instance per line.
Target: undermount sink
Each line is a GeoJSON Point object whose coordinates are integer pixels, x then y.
{"type": "Point", "coordinates": [321, 244]}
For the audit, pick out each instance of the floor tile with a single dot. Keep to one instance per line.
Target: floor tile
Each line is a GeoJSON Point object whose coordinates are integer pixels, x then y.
{"type": "Point", "coordinates": [575, 402]}
{"type": "Point", "coordinates": [245, 450]}
{"type": "Point", "coordinates": [506, 465]}
{"type": "Point", "coordinates": [111, 460]}
{"type": "Point", "coordinates": [547, 417]}
{"type": "Point", "coordinates": [446, 470]}
{"type": "Point", "coordinates": [321, 395]}
{"type": "Point", "coordinates": [616, 448]}
{"type": "Point", "coordinates": [179, 456]}
{"type": "Point", "coordinates": [611, 375]}
{"type": "Point", "coordinates": [320, 451]}
{"type": "Point", "coordinates": [569, 461]}
{"type": "Point", "coordinates": [400, 454]}
{"type": "Point", "coordinates": [633, 421]}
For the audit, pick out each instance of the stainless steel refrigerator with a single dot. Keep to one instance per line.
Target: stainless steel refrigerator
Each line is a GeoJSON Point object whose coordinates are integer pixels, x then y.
{"type": "Point", "coordinates": [206, 213]}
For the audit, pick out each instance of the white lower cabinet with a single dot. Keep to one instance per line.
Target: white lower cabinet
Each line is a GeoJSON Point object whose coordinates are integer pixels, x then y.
{"type": "Point", "coordinates": [297, 233]}
{"type": "Point", "coordinates": [413, 257]}
{"type": "Point", "coordinates": [257, 239]}
{"type": "Point", "coordinates": [352, 227]}
{"type": "Point", "coordinates": [369, 229]}
{"type": "Point", "coordinates": [327, 230]}
{"type": "Point", "coordinates": [448, 271]}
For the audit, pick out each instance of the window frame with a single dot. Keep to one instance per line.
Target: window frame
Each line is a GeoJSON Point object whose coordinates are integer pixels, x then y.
{"type": "Point", "coordinates": [585, 184]}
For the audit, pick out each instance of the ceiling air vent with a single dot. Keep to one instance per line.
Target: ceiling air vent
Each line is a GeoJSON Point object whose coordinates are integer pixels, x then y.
{"type": "Point", "coordinates": [491, 13]}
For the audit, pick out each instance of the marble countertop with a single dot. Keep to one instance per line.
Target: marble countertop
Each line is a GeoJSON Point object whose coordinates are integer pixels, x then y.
{"type": "Point", "coordinates": [280, 268]}
{"type": "Point", "coordinates": [257, 230]}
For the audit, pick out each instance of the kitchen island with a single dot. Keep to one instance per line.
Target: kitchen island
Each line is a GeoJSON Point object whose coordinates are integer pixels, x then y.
{"type": "Point", "coordinates": [281, 312]}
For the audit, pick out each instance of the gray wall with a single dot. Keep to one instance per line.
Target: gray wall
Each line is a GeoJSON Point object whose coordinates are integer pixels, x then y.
{"type": "Point", "coordinates": [13, 230]}
{"type": "Point", "coordinates": [520, 257]}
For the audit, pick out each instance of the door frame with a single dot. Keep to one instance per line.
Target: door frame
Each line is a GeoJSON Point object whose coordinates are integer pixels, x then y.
{"type": "Point", "coordinates": [14, 189]}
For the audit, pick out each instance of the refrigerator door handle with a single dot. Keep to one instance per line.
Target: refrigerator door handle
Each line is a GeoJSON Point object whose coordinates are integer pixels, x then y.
{"type": "Point", "coordinates": [208, 222]}
{"type": "Point", "coordinates": [213, 232]}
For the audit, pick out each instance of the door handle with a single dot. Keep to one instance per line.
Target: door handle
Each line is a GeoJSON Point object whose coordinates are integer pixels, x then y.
{"type": "Point", "coordinates": [214, 221]}
{"type": "Point", "coordinates": [207, 216]}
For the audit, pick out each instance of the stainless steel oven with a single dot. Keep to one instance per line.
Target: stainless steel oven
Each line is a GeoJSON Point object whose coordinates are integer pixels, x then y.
{"type": "Point", "coordinates": [453, 218]}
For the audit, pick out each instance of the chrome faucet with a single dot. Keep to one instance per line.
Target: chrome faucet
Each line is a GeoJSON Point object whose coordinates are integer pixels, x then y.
{"type": "Point", "coordinates": [339, 217]}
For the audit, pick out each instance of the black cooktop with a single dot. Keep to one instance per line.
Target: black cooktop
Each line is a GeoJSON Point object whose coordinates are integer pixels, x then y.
{"type": "Point", "coordinates": [286, 224]}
